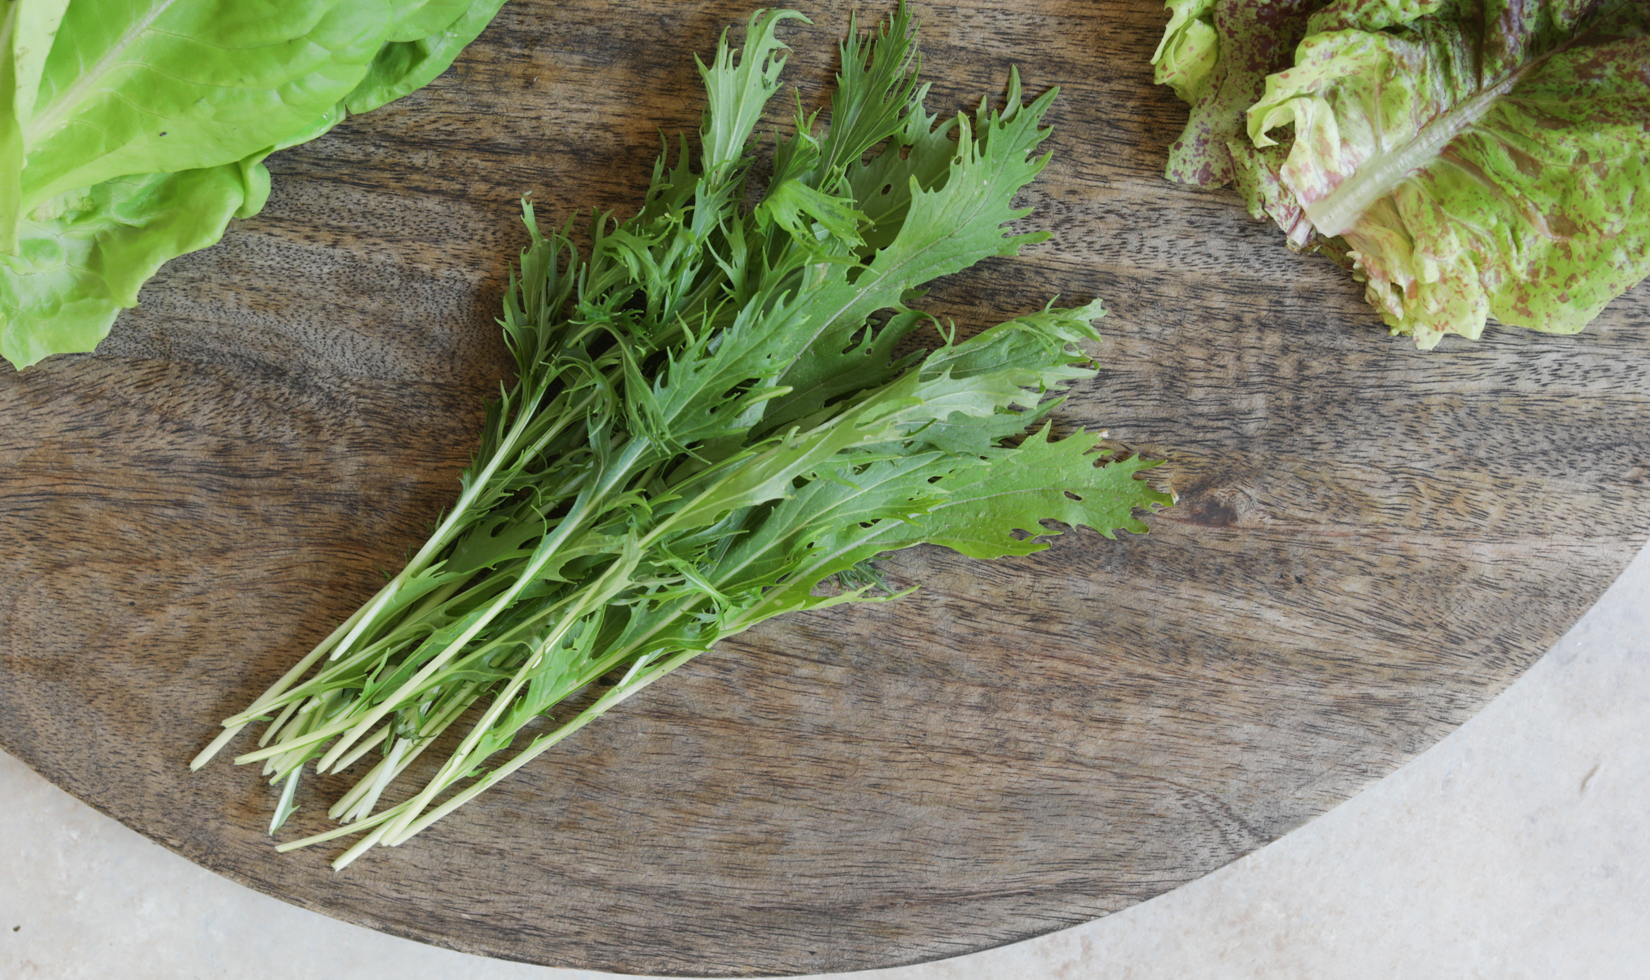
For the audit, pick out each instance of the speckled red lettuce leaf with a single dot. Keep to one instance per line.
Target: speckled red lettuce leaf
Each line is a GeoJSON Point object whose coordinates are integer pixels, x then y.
{"type": "Point", "coordinates": [1468, 158]}
{"type": "Point", "coordinates": [1216, 55]}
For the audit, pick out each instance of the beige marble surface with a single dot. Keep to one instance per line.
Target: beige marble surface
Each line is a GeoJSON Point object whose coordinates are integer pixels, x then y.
{"type": "Point", "coordinates": [1519, 847]}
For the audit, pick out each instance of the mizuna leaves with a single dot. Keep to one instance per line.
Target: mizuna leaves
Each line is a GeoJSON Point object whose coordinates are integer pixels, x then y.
{"type": "Point", "coordinates": [710, 429]}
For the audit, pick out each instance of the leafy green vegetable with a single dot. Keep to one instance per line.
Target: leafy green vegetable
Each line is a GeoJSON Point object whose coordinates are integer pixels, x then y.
{"type": "Point", "coordinates": [709, 428]}
{"type": "Point", "coordinates": [1465, 158]}
{"type": "Point", "coordinates": [132, 132]}
{"type": "Point", "coordinates": [1216, 55]}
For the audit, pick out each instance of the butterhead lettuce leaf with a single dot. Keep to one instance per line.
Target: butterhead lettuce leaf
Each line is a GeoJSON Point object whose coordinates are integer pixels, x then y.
{"type": "Point", "coordinates": [131, 132]}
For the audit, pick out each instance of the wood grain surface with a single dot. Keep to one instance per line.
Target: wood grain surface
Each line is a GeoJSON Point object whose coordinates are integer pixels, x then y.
{"type": "Point", "coordinates": [1371, 541]}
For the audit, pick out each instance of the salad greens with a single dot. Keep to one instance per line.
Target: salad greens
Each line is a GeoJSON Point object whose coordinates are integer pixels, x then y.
{"type": "Point", "coordinates": [1464, 158]}
{"type": "Point", "coordinates": [710, 427]}
{"type": "Point", "coordinates": [132, 131]}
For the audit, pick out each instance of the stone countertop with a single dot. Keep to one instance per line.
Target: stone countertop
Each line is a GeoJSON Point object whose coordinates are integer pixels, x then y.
{"type": "Point", "coordinates": [1518, 847]}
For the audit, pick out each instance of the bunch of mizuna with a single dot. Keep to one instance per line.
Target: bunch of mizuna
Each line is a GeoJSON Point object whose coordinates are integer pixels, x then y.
{"type": "Point", "coordinates": [710, 428]}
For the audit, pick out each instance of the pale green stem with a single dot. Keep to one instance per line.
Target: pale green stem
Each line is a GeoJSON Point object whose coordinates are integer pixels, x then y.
{"type": "Point", "coordinates": [389, 767]}
{"type": "Point", "coordinates": [336, 832]}
{"type": "Point", "coordinates": [234, 724]}
{"type": "Point", "coordinates": [426, 737]}
{"type": "Point", "coordinates": [278, 723]}
{"type": "Point", "coordinates": [457, 764]}
{"type": "Point", "coordinates": [546, 550]}
{"type": "Point", "coordinates": [360, 847]}
{"type": "Point", "coordinates": [366, 746]}
{"type": "Point", "coordinates": [602, 705]}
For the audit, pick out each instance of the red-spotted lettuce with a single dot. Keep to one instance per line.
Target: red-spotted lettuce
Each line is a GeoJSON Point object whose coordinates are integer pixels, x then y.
{"type": "Point", "coordinates": [1216, 55]}
{"type": "Point", "coordinates": [1465, 158]}
{"type": "Point", "coordinates": [131, 131]}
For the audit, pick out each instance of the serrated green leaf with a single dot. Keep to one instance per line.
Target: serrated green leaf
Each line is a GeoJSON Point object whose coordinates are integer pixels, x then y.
{"type": "Point", "coordinates": [800, 209]}
{"type": "Point", "coordinates": [1040, 480]}
{"type": "Point", "coordinates": [738, 85]}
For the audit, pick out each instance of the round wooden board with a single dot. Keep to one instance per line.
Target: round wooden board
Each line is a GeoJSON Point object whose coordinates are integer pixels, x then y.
{"type": "Point", "coordinates": [1371, 542]}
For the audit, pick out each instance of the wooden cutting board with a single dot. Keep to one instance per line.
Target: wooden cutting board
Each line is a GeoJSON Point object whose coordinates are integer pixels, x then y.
{"type": "Point", "coordinates": [1371, 542]}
